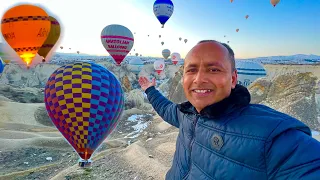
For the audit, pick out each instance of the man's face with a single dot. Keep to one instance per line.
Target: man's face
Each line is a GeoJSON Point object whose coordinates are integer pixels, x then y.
{"type": "Point", "coordinates": [208, 76]}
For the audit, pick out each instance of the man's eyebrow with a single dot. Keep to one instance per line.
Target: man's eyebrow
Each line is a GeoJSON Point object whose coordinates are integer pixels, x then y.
{"type": "Point", "coordinates": [208, 64]}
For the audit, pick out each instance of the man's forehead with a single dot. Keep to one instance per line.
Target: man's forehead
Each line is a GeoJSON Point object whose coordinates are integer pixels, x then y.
{"type": "Point", "coordinates": [207, 50]}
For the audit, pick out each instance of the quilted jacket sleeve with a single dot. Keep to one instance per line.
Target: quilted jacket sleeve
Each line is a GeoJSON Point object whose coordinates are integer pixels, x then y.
{"type": "Point", "coordinates": [292, 153]}
{"type": "Point", "coordinates": [164, 107]}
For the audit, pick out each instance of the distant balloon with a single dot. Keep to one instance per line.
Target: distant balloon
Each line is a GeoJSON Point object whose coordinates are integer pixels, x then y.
{"type": "Point", "coordinates": [159, 66]}
{"type": "Point", "coordinates": [78, 52]}
{"type": "Point", "coordinates": [180, 39]}
{"type": "Point", "coordinates": [148, 35]}
{"type": "Point", "coordinates": [6, 61]}
{"type": "Point", "coordinates": [25, 28]}
{"type": "Point", "coordinates": [135, 65]}
{"type": "Point", "coordinates": [162, 43]}
{"type": "Point", "coordinates": [231, 1]}
{"type": "Point", "coordinates": [163, 10]}
{"type": "Point", "coordinates": [70, 48]}
{"type": "Point", "coordinates": [166, 53]}
{"type": "Point", "coordinates": [84, 102]}
{"type": "Point", "coordinates": [140, 54]}
{"type": "Point", "coordinates": [247, 16]}
{"type": "Point", "coordinates": [118, 41]}
{"type": "Point", "coordinates": [4, 56]}
{"type": "Point", "coordinates": [249, 71]}
{"type": "Point", "coordinates": [175, 57]}
{"type": "Point", "coordinates": [52, 38]}
{"type": "Point", "coordinates": [159, 36]}
{"type": "Point", "coordinates": [61, 47]}
{"type": "Point", "coordinates": [274, 2]}
{"type": "Point", "coordinates": [237, 30]}
{"type": "Point", "coordinates": [186, 40]}
{"type": "Point", "coordinates": [137, 54]}
{"type": "Point", "coordinates": [224, 35]}
{"type": "Point", "coordinates": [227, 41]}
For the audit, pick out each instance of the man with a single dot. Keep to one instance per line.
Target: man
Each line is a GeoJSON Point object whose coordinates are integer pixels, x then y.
{"type": "Point", "coordinates": [222, 135]}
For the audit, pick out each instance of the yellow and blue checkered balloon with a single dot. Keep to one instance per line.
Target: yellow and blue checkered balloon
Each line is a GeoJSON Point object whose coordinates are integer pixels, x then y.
{"type": "Point", "coordinates": [84, 101]}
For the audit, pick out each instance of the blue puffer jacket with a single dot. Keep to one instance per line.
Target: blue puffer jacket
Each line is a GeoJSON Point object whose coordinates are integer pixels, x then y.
{"type": "Point", "coordinates": [234, 139]}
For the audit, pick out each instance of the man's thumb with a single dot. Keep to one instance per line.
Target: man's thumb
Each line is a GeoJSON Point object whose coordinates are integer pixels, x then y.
{"type": "Point", "coordinates": [153, 80]}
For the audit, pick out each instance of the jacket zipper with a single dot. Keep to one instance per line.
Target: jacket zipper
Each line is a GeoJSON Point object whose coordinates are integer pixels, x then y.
{"type": "Point", "coordinates": [191, 143]}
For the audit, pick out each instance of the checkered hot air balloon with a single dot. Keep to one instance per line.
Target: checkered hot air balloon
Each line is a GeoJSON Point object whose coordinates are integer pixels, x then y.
{"type": "Point", "coordinates": [84, 101]}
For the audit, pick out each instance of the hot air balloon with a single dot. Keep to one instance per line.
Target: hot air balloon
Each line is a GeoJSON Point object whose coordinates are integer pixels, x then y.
{"type": "Point", "coordinates": [118, 41]}
{"type": "Point", "coordinates": [4, 55]}
{"type": "Point", "coordinates": [61, 47]}
{"type": "Point", "coordinates": [247, 16]}
{"type": "Point", "coordinates": [84, 102]}
{"type": "Point", "coordinates": [158, 66]}
{"type": "Point", "coordinates": [6, 61]}
{"type": "Point", "coordinates": [51, 40]}
{"type": "Point", "coordinates": [166, 53]}
{"type": "Point", "coordinates": [159, 36]}
{"type": "Point", "coordinates": [227, 41]}
{"type": "Point", "coordinates": [224, 36]}
{"type": "Point", "coordinates": [78, 52]}
{"type": "Point", "coordinates": [249, 71]}
{"type": "Point", "coordinates": [274, 2]}
{"type": "Point", "coordinates": [135, 65]}
{"type": "Point", "coordinates": [137, 54]}
{"type": "Point", "coordinates": [162, 43]}
{"type": "Point", "coordinates": [25, 28]}
{"type": "Point", "coordinates": [163, 10]}
{"type": "Point", "coordinates": [140, 54]}
{"type": "Point", "coordinates": [148, 35]}
{"type": "Point", "coordinates": [237, 30]}
{"type": "Point", "coordinates": [231, 1]}
{"type": "Point", "coordinates": [180, 39]}
{"type": "Point", "coordinates": [175, 57]}
{"type": "Point", "coordinates": [70, 48]}
{"type": "Point", "coordinates": [185, 40]}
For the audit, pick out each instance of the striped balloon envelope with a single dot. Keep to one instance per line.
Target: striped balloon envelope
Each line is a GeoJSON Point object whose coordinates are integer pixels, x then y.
{"type": "Point", "coordinates": [118, 41]}
{"type": "Point", "coordinates": [84, 102]}
{"type": "Point", "coordinates": [52, 38]}
{"type": "Point", "coordinates": [249, 71]}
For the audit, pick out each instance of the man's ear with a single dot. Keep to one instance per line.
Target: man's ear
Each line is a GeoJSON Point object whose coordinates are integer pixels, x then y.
{"type": "Point", "coordinates": [234, 79]}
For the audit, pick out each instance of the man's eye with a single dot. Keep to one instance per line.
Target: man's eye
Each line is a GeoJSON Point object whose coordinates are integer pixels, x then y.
{"type": "Point", "coordinates": [215, 70]}
{"type": "Point", "coordinates": [191, 70]}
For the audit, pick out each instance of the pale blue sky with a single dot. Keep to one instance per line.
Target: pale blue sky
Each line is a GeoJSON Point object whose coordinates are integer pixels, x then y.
{"type": "Point", "coordinates": [293, 27]}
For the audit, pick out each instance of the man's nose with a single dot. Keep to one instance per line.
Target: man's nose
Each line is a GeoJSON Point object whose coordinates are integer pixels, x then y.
{"type": "Point", "coordinates": [200, 77]}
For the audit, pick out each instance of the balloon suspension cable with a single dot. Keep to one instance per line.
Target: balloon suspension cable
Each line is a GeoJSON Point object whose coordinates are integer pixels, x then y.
{"type": "Point", "coordinates": [84, 163]}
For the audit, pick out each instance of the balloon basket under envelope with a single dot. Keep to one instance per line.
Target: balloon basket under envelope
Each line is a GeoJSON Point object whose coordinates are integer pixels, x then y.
{"type": "Point", "coordinates": [84, 163]}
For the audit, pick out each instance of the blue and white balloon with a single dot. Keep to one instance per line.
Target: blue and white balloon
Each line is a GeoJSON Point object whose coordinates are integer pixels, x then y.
{"type": "Point", "coordinates": [249, 71]}
{"type": "Point", "coordinates": [163, 10]}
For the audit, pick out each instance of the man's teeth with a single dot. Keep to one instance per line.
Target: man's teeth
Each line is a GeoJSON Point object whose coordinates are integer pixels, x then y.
{"type": "Point", "coordinates": [202, 91]}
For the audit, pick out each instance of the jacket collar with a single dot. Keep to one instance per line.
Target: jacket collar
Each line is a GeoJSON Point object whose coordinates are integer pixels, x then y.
{"type": "Point", "coordinates": [239, 97]}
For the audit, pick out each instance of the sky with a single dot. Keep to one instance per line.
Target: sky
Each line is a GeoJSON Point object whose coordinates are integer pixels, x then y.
{"type": "Point", "coordinates": [292, 27]}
